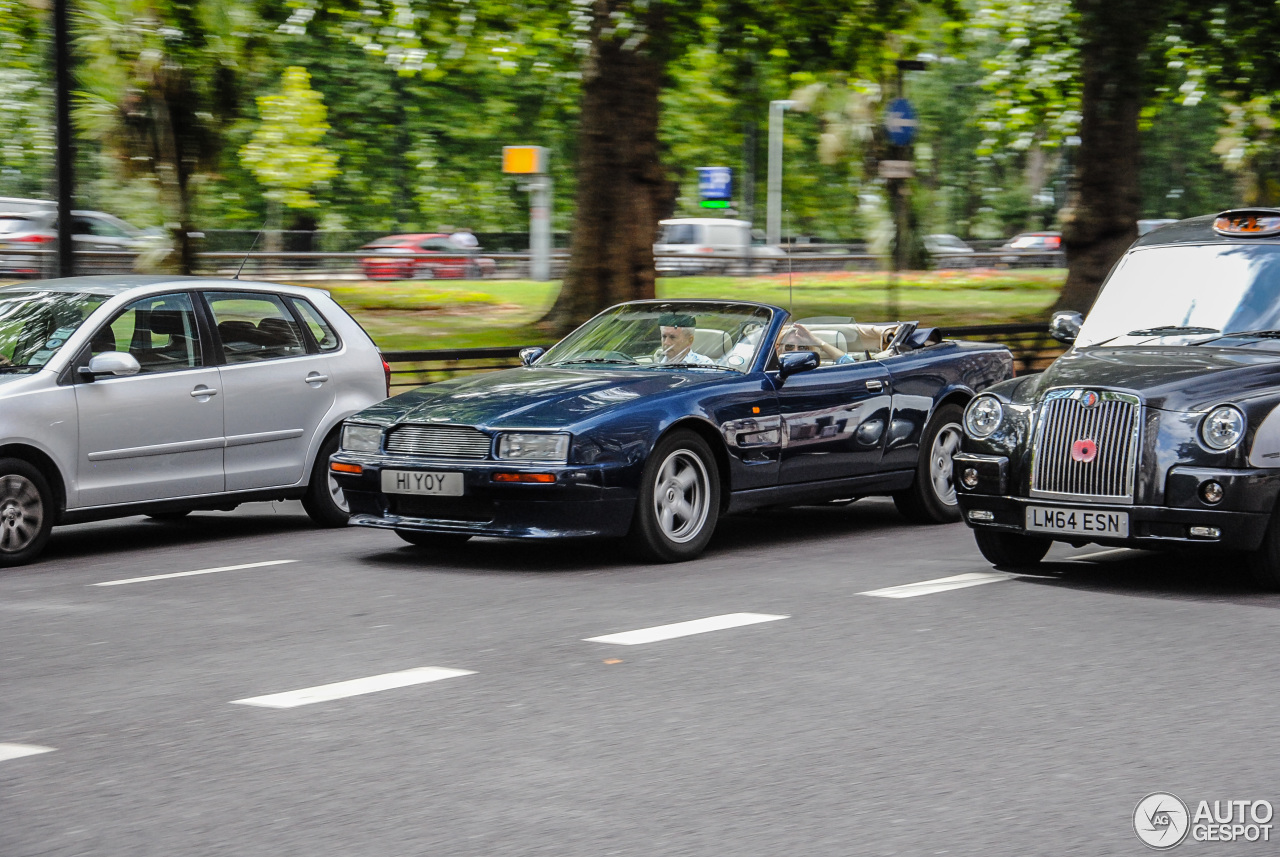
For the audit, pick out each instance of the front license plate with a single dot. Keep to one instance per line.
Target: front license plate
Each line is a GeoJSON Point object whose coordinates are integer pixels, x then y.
{"type": "Point", "coordinates": [1078, 522]}
{"type": "Point", "coordinates": [422, 482]}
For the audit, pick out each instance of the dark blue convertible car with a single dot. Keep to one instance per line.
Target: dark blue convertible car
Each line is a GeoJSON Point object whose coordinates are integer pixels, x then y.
{"type": "Point", "coordinates": [656, 417]}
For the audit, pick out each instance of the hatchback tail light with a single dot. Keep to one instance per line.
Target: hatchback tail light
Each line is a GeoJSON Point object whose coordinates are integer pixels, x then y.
{"type": "Point", "coordinates": [706, 249]}
{"type": "Point", "coordinates": [34, 239]}
{"type": "Point", "coordinates": [386, 373]}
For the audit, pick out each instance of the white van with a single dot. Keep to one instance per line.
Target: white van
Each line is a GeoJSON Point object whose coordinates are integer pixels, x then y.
{"type": "Point", "coordinates": [712, 245]}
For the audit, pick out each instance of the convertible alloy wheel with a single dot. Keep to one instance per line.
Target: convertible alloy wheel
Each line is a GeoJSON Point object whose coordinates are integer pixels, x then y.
{"type": "Point", "coordinates": [679, 499]}
{"type": "Point", "coordinates": [931, 499]}
{"type": "Point", "coordinates": [25, 512]}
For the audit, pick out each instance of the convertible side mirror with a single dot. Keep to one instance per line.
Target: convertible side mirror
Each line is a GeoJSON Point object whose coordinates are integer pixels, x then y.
{"type": "Point", "coordinates": [529, 356]}
{"type": "Point", "coordinates": [1065, 325]}
{"type": "Point", "coordinates": [111, 363]}
{"type": "Point", "coordinates": [796, 361]}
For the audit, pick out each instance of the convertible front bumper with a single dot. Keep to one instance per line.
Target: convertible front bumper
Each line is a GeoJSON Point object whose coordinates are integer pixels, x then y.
{"type": "Point", "coordinates": [581, 502]}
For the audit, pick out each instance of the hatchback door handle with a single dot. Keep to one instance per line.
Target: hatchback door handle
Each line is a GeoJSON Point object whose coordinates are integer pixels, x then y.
{"type": "Point", "coordinates": [875, 386]}
{"type": "Point", "coordinates": [203, 392]}
{"type": "Point", "coordinates": [317, 378]}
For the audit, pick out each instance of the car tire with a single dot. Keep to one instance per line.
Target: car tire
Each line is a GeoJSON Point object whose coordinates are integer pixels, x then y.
{"type": "Point", "coordinates": [26, 512]}
{"type": "Point", "coordinates": [169, 516]}
{"type": "Point", "coordinates": [323, 501]}
{"type": "Point", "coordinates": [1011, 550]}
{"type": "Point", "coordinates": [1264, 563]}
{"type": "Point", "coordinates": [931, 499]}
{"type": "Point", "coordinates": [420, 539]}
{"type": "Point", "coordinates": [679, 500]}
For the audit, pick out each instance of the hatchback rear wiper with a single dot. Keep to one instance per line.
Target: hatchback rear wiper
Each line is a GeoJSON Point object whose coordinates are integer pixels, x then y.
{"type": "Point", "coordinates": [1170, 330]}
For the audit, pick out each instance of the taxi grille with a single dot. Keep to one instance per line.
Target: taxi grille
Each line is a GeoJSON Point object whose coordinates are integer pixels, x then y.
{"type": "Point", "coordinates": [457, 442]}
{"type": "Point", "coordinates": [1111, 424]}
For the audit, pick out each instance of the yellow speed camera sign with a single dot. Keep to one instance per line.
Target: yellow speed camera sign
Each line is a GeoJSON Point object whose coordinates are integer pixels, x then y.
{"type": "Point", "coordinates": [524, 159]}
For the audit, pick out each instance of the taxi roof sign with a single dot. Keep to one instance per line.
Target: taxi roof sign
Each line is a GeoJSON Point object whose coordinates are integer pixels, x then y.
{"type": "Point", "coordinates": [1248, 223]}
{"type": "Point", "coordinates": [524, 160]}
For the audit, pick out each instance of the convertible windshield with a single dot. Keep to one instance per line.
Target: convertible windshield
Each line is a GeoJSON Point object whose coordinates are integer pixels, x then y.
{"type": "Point", "coordinates": [35, 324]}
{"type": "Point", "coordinates": [666, 335]}
{"type": "Point", "coordinates": [1179, 293]}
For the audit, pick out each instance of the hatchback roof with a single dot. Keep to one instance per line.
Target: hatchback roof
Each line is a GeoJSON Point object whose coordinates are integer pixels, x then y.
{"type": "Point", "coordinates": [111, 285]}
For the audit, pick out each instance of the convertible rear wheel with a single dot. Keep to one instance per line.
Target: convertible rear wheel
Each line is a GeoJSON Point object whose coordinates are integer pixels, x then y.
{"type": "Point", "coordinates": [26, 512]}
{"type": "Point", "coordinates": [679, 500]}
{"type": "Point", "coordinates": [931, 499]}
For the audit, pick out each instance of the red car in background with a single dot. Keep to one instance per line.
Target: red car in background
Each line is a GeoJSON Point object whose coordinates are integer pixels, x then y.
{"type": "Point", "coordinates": [422, 257]}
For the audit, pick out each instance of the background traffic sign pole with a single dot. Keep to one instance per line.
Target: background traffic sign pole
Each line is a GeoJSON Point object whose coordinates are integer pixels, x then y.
{"type": "Point", "coordinates": [531, 161]}
{"type": "Point", "coordinates": [901, 124]}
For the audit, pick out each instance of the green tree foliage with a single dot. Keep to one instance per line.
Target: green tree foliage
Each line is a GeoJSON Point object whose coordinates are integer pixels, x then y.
{"type": "Point", "coordinates": [284, 152]}
{"type": "Point", "coordinates": [26, 102]}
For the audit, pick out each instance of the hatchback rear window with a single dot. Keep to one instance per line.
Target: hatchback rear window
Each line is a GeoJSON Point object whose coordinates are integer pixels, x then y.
{"type": "Point", "coordinates": [16, 224]}
{"type": "Point", "coordinates": [680, 233]}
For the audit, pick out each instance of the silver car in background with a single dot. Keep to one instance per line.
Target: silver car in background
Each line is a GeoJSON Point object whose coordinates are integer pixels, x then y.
{"type": "Point", "coordinates": [126, 395]}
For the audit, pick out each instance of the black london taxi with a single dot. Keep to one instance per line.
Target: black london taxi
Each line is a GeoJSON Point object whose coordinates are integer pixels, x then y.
{"type": "Point", "coordinates": [1160, 426]}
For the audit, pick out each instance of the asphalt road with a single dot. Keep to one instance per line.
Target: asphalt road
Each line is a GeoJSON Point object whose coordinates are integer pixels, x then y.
{"type": "Point", "coordinates": [1023, 716]}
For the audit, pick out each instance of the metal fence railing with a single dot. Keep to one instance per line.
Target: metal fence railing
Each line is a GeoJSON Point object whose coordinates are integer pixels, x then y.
{"type": "Point", "coordinates": [1033, 349]}
{"type": "Point", "coordinates": [420, 266]}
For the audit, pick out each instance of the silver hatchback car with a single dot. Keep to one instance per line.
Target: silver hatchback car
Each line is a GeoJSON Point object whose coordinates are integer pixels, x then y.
{"type": "Point", "coordinates": [135, 395]}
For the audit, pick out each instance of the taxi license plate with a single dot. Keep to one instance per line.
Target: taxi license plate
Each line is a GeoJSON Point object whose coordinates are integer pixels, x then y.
{"type": "Point", "coordinates": [1081, 522]}
{"type": "Point", "coordinates": [422, 482]}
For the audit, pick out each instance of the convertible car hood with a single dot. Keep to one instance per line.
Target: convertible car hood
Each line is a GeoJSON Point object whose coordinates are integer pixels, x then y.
{"type": "Point", "coordinates": [1173, 378]}
{"type": "Point", "coordinates": [532, 397]}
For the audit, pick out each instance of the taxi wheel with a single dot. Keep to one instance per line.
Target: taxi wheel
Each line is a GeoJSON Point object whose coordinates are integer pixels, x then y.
{"type": "Point", "coordinates": [1264, 563]}
{"type": "Point", "coordinates": [26, 512]}
{"type": "Point", "coordinates": [931, 499]}
{"type": "Point", "coordinates": [679, 500]}
{"type": "Point", "coordinates": [323, 501]}
{"type": "Point", "coordinates": [1011, 550]}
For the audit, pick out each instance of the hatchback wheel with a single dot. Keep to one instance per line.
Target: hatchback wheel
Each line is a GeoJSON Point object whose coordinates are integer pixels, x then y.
{"type": "Point", "coordinates": [26, 512]}
{"type": "Point", "coordinates": [679, 500]}
{"type": "Point", "coordinates": [323, 501]}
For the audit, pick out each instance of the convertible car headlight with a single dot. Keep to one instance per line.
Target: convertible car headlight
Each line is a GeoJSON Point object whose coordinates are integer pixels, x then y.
{"type": "Point", "coordinates": [983, 417]}
{"type": "Point", "coordinates": [1222, 428]}
{"type": "Point", "coordinates": [358, 438]}
{"type": "Point", "coordinates": [528, 446]}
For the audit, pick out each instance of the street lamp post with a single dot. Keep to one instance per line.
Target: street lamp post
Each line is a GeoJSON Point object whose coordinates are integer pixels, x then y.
{"type": "Point", "coordinates": [773, 203]}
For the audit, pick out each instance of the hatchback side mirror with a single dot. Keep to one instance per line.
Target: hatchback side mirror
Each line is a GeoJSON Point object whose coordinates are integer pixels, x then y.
{"type": "Point", "coordinates": [111, 363]}
{"type": "Point", "coordinates": [1065, 325]}
{"type": "Point", "coordinates": [529, 356]}
{"type": "Point", "coordinates": [796, 361]}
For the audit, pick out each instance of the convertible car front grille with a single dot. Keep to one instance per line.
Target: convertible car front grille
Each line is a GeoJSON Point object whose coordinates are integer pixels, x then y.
{"type": "Point", "coordinates": [1086, 446]}
{"type": "Point", "coordinates": [458, 442]}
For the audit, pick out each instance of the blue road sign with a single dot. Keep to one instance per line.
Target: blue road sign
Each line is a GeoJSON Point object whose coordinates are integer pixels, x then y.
{"type": "Point", "coordinates": [901, 122]}
{"type": "Point", "coordinates": [715, 183]}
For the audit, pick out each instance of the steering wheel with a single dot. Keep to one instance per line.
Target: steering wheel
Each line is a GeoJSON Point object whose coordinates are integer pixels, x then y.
{"type": "Point", "coordinates": [901, 335]}
{"type": "Point", "coordinates": [603, 354]}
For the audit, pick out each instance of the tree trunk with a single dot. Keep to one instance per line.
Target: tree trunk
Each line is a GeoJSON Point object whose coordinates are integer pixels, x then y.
{"type": "Point", "coordinates": [622, 191]}
{"type": "Point", "coordinates": [1102, 219]}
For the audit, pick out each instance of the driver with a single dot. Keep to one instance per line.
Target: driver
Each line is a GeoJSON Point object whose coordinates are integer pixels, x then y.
{"type": "Point", "coordinates": [677, 340]}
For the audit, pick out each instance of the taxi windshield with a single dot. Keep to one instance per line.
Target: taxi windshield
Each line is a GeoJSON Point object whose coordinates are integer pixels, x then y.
{"type": "Point", "coordinates": [1173, 294]}
{"type": "Point", "coordinates": [34, 325]}
{"type": "Point", "coordinates": [678, 334]}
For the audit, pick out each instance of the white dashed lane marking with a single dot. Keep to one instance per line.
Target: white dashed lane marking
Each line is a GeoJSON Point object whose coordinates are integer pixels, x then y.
{"type": "Point", "coordinates": [193, 573]}
{"type": "Point", "coordinates": [354, 687]}
{"type": "Point", "coordinates": [17, 751]}
{"type": "Point", "coordinates": [684, 629]}
{"type": "Point", "coordinates": [941, 584]}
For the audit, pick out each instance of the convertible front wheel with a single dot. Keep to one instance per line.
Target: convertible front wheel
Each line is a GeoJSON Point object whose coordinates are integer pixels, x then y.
{"type": "Point", "coordinates": [679, 501]}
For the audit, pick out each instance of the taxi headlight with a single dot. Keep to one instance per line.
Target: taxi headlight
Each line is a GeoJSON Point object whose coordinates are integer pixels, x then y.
{"type": "Point", "coordinates": [358, 438]}
{"type": "Point", "coordinates": [528, 446]}
{"type": "Point", "coordinates": [1222, 428]}
{"type": "Point", "coordinates": [983, 417]}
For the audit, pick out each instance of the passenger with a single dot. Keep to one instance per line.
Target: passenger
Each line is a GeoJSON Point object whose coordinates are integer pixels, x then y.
{"type": "Point", "coordinates": [798, 338]}
{"type": "Point", "coordinates": [677, 340]}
